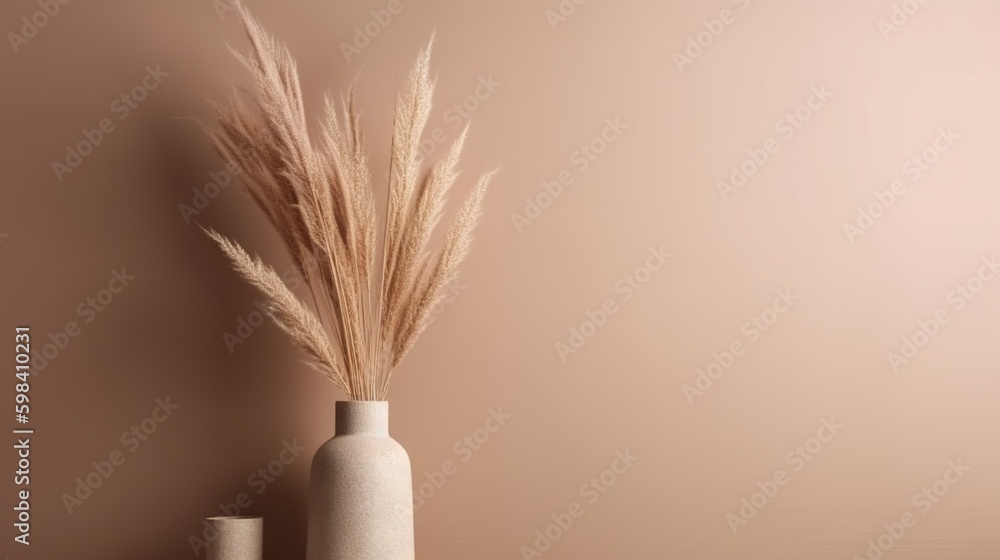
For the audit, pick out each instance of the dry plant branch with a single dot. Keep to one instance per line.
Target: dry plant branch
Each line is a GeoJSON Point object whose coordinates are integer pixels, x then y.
{"type": "Point", "coordinates": [319, 198]}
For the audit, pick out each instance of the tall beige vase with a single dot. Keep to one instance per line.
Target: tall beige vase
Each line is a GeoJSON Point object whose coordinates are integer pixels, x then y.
{"type": "Point", "coordinates": [360, 490]}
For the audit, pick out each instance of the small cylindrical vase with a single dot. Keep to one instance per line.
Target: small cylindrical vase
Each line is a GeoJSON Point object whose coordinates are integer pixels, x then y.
{"type": "Point", "coordinates": [236, 538]}
{"type": "Point", "coordinates": [360, 490]}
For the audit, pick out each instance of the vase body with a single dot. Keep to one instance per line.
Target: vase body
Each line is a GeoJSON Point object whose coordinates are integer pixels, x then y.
{"type": "Point", "coordinates": [360, 490]}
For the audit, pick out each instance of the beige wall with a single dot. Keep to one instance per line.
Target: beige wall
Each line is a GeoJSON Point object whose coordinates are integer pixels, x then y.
{"type": "Point", "coordinates": [832, 304]}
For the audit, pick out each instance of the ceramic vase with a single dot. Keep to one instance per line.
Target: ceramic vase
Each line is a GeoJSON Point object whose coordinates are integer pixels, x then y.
{"type": "Point", "coordinates": [236, 538]}
{"type": "Point", "coordinates": [360, 490]}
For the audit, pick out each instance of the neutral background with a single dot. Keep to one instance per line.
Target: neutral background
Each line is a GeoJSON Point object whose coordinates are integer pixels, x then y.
{"type": "Point", "coordinates": [524, 289]}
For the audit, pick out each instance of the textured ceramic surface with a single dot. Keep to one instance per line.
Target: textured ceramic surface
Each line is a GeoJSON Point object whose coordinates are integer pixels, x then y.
{"type": "Point", "coordinates": [361, 493]}
{"type": "Point", "coordinates": [236, 538]}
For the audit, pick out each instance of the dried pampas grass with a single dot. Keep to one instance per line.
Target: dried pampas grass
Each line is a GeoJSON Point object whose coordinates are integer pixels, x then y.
{"type": "Point", "coordinates": [371, 301]}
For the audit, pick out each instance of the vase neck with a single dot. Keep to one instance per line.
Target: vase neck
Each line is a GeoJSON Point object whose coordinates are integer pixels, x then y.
{"type": "Point", "coordinates": [362, 417]}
